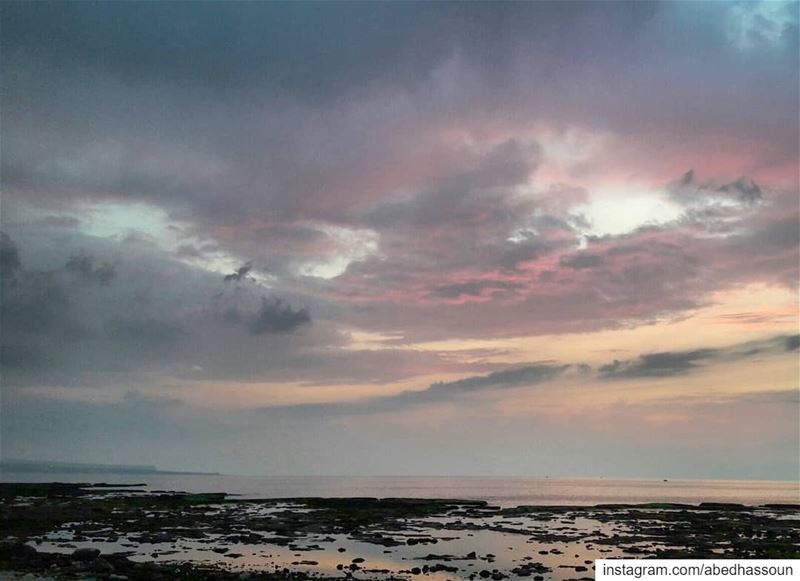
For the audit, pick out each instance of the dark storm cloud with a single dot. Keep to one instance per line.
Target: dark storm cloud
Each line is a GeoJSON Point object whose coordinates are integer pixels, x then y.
{"type": "Point", "coordinates": [262, 125]}
{"type": "Point", "coordinates": [33, 302]}
{"type": "Point", "coordinates": [50, 332]}
{"type": "Point", "coordinates": [40, 302]}
{"type": "Point", "coordinates": [275, 316]}
{"type": "Point", "coordinates": [163, 319]}
{"type": "Point", "coordinates": [303, 50]}
{"type": "Point", "coordinates": [241, 273]}
{"type": "Point", "coordinates": [228, 110]}
{"type": "Point", "coordinates": [156, 314]}
{"type": "Point", "coordinates": [307, 50]}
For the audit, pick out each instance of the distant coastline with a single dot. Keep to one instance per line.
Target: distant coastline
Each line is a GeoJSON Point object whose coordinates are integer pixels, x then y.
{"type": "Point", "coordinates": [43, 467]}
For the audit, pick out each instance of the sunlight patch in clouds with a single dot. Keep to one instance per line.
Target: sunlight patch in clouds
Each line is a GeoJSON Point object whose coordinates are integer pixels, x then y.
{"type": "Point", "coordinates": [353, 244]}
{"type": "Point", "coordinates": [612, 211]}
{"type": "Point", "coordinates": [150, 224]}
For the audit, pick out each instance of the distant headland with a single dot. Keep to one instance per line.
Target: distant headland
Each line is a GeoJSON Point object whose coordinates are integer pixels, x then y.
{"type": "Point", "coordinates": [48, 467]}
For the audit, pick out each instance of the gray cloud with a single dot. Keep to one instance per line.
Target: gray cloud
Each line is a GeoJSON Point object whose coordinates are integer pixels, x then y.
{"type": "Point", "coordinates": [158, 316]}
{"type": "Point", "coordinates": [745, 189]}
{"type": "Point", "coordinates": [162, 319]}
{"type": "Point", "coordinates": [677, 363]}
{"type": "Point", "coordinates": [309, 52]}
{"type": "Point", "coordinates": [9, 256]}
{"type": "Point", "coordinates": [781, 234]}
{"type": "Point", "coordinates": [439, 392]}
{"type": "Point", "coordinates": [784, 396]}
{"type": "Point", "coordinates": [241, 272]}
{"type": "Point", "coordinates": [581, 261]}
{"type": "Point", "coordinates": [147, 333]}
{"type": "Point", "coordinates": [474, 288]}
{"type": "Point", "coordinates": [528, 375]}
{"type": "Point", "coordinates": [293, 133]}
{"type": "Point", "coordinates": [665, 364]}
{"type": "Point", "coordinates": [83, 266]}
{"type": "Point", "coordinates": [688, 190]}
{"type": "Point", "coordinates": [275, 316]}
{"type": "Point", "coordinates": [36, 302]}
{"type": "Point", "coordinates": [650, 365]}
{"type": "Point", "coordinates": [305, 111]}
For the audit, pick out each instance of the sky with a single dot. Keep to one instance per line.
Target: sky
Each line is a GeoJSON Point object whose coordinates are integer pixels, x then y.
{"type": "Point", "coordinates": [402, 238]}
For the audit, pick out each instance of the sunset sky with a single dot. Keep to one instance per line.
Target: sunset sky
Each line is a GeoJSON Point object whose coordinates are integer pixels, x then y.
{"type": "Point", "coordinates": [403, 238]}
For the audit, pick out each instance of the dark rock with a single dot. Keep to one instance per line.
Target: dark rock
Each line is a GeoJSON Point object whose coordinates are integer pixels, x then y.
{"type": "Point", "coordinates": [103, 566]}
{"type": "Point", "coordinates": [86, 554]}
{"type": "Point", "coordinates": [440, 567]}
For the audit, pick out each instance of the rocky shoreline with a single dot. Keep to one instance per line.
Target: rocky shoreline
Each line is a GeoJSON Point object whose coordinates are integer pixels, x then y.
{"type": "Point", "coordinates": [118, 533]}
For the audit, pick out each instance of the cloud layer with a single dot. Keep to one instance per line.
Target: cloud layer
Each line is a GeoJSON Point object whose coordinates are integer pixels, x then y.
{"type": "Point", "coordinates": [352, 210]}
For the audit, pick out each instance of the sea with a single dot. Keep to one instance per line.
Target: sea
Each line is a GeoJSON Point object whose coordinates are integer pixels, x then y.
{"type": "Point", "coordinates": [498, 491]}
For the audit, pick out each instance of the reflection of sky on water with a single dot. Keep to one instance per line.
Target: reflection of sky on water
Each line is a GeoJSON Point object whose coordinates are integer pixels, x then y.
{"type": "Point", "coordinates": [456, 536]}
{"type": "Point", "coordinates": [561, 541]}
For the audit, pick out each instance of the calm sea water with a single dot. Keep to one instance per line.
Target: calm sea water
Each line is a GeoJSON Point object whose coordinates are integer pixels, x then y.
{"type": "Point", "coordinates": [496, 490]}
